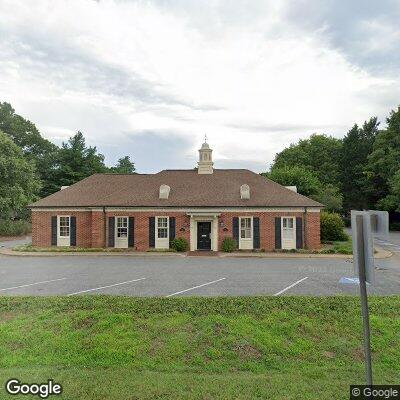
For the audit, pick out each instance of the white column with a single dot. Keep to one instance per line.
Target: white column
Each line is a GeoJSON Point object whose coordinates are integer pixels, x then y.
{"type": "Point", "coordinates": [193, 234]}
{"type": "Point", "coordinates": [214, 234]}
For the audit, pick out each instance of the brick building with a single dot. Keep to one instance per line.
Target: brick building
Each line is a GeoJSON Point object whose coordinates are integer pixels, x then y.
{"type": "Point", "coordinates": [202, 205]}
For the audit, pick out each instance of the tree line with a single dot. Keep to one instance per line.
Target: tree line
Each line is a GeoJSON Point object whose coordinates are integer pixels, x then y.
{"type": "Point", "coordinates": [359, 171]}
{"type": "Point", "coordinates": [32, 167]}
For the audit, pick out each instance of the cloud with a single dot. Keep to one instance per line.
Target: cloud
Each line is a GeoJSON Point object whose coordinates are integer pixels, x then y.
{"type": "Point", "coordinates": [156, 75]}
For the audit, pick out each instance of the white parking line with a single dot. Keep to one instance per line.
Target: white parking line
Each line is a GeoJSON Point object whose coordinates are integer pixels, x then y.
{"type": "Point", "coordinates": [289, 287]}
{"type": "Point", "coordinates": [195, 287]}
{"type": "Point", "coordinates": [31, 284]}
{"type": "Point", "coordinates": [104, 287]}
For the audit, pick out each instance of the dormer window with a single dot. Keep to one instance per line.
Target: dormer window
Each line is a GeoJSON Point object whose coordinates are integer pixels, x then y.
{"type": "Point", "coordinates": [164, 191]}
{"type": "Point", "coordinates": [245, 192]}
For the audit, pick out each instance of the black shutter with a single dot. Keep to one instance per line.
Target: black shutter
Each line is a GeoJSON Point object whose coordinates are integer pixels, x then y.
{"type": "Point", "coordinates": [256, 232]}
{"type": "Point", "coordinates": [235, 229]}
{"type": "Point", "coordinates": [111, 231]}
{"type": "Point", "coordinates": [54, 230]}
{"type": "Point", "coordinates": [278, 235]}
{"type": "Point", "coordinates": [152, 233]}
{"type": "Point", "coordinates": [131, 232]}
{"type": "Point", "coordinates": [73, 231]}
{"type": "Point", "coordinates": [171, 229]}
{"type": "Point", "coordinates": [299, 233]}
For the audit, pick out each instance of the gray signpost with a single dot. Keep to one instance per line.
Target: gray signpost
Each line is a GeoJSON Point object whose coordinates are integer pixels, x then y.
{"type": "Point", "coordinates": [365, 225]}
{"type": "Point", "coordinates": [364, 268]}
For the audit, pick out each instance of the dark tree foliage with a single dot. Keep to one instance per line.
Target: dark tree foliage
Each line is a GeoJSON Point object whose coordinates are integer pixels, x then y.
{"type": "Point", "coordinates": [76, 161]}
{"type": "Point", "coordinates": [305, 180]}
{"type": "Point", "coordinates": [384, 164]}
{"type": "Point", "coordinates": [37, 149]}
{"type": "Point", "coordinates": [320, 154]}
{"type": "Point", "coordinates": [357, 145]}
{"type": "Point", "coordinates": [124, 166]}
{"type": "Point", "coordinates": [19, 182]}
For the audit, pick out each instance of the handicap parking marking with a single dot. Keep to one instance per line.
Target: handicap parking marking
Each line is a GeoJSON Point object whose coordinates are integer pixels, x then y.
{"type": "Point", "coordinates": [32, 284]}
{"type": "Point", "coordinates": [195, 287]}
{"type": "Point", "coordinates": [105, 287]}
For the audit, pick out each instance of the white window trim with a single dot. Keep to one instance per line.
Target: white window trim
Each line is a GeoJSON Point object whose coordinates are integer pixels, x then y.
{"type": "Point", "coordinates": [63, 241]}
{"type": "Point", "coordinates": [246, 243]}
{"type": "Point", "coordinates": [116, 227]}
{"type": "Point", "coordinates": [59, 226]}
{"type": "Point", "coordinates": [161, 243]}
{"type": "Point", "coordinates": [251, 228]}
{"type": "Point", "coordinates": [294, 232]}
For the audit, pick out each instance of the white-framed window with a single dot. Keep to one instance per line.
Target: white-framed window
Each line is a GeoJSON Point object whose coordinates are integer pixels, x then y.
{"type": "Point", "coordinates": [245, 228]}
{"type": "Point", "coordinates": [288, 233]}
{"type": "Point", "coordinates": [122, 227]}
{"type": "Point", "coordinates": [287, 222]}
{"type": "Point", "coordinates": [162, 227]}
{"type": "Point", "coordinates": [64, 225]}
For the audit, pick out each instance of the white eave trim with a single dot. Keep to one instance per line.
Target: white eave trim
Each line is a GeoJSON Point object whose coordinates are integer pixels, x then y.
{"type": "Point", "coordinates": [187, 210]}
{"type": "Point", "coordinates": [203, 214]}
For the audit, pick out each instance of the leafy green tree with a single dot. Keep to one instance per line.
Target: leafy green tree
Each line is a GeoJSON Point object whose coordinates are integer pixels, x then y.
{"type": "Point", "coordinates": [19, 183]}
{"type": "Point", "coordinates": [384, 162]}
{"type": "Point", "coordinates": [320, 154]}
{"type": "Point", "coordinates": [391, 202]}
{"type": "Point", "coordinates": [331, 197]}
{"type": "Point", "coordinates": [305, 180]}
{"type": "Point", "coordinates": [124, 166]}
{"type": "Point", "coordinates": [25, 134]}
{"type": "Point", "coordinates": [308, 185]}
{"type": "Point", "coordinates": [77, 161]}
{"type": "Point", "coordinates": [357, 145]}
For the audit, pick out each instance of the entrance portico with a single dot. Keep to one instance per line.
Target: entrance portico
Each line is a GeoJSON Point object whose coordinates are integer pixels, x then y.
{"type": "Point", "coordinates": [203, 231]}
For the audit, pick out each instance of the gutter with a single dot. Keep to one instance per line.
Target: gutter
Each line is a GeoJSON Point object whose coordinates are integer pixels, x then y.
{"type": "Point", "coordinates": [104, 226]}
{"type": "Point", "coordinates": [305, 228]}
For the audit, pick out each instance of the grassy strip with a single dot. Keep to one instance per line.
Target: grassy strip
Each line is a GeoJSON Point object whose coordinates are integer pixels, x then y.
{"type": "Point", "coordinates": [67, 249]}
{"type": "Point", "coordinates": [338, 247]}
{"type": "Point", "coordinates": [328, 248]}
{"type": "Point", "coordinates": [210, 348]}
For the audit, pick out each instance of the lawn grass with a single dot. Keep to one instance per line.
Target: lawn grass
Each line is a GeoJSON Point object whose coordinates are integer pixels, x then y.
{"type": "Point", "coordinates": [337, 247]}
{"type": "Point", "coordinates": [101, 347]}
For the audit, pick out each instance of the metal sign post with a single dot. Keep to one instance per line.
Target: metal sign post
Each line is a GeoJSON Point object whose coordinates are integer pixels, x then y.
{"type": "Point", "coordinates": [361, 261]}
{"type": "Point", "coordinates": [364, 226]}
{"type": "Point", "coordinates": [366, 253]}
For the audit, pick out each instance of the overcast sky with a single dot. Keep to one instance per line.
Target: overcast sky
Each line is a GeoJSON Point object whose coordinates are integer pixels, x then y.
{"type": "Point", "coordinates": [149, 78]}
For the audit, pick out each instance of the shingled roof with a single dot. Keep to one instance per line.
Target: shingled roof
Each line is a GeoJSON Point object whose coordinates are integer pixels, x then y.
{"type": "Point", "coordinates": [188, 189]}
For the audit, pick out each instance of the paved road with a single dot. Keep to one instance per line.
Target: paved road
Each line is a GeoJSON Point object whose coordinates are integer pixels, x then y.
{"type": "Point", "coordinates": [189, 276]}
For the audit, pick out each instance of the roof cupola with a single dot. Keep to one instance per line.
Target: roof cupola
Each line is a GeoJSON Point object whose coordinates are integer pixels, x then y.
{"type": "Point", "coordinates": [205, 164]}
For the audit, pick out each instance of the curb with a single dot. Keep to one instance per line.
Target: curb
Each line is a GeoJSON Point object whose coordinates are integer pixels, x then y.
{"type": "Point", "coordinates": [10, 252]}
{"type": "Point", "coordinates": [381, 254]}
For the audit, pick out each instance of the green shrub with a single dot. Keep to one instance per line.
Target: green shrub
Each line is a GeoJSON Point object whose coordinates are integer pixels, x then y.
{"type": "Point", "coordinates": [332, 227]}
{"type": "Point", "coordinates": [180, 244]}
{"type": "Point", "coordinates": [14, 228]}
{"type": "Point", "coordinates": [394, 226]}
{"type": "Point", "coordinates": [229, 244]}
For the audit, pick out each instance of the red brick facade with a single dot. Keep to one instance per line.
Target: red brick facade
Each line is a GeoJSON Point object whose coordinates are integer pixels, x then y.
{"type": "Point", "coordinates": [91, 229]}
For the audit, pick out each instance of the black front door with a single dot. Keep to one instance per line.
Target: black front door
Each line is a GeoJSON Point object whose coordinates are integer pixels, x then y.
{"type": "Point", "coordinates": [204, 235]}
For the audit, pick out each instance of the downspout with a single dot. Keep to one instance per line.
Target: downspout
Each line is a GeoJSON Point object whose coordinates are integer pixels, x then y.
{"type": "Point", "coordinates": [104, 226]}
{"type": "Point", "coordinates": [305, 228]}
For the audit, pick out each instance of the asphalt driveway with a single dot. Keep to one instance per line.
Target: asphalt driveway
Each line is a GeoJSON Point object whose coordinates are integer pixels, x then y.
{"type": "Point", "coordinates": [188, 276]}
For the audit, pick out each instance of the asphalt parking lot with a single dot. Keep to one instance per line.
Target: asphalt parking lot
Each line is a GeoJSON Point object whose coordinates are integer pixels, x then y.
{"type": "Point", "coordinates": [188, 276]}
